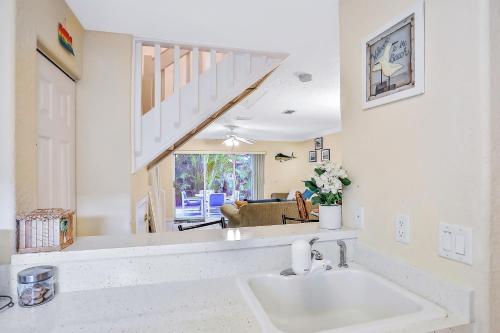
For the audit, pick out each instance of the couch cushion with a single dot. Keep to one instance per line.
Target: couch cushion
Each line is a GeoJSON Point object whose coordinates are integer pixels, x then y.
{"type": "Point", "coordinates": [279, 196]}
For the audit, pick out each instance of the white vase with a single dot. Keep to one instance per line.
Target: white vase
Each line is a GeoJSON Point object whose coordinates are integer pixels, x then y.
{"type": "Point", "coordinates": [330, 217]}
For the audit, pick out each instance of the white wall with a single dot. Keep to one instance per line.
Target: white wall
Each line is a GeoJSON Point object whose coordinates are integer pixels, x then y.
{"type": "Point", "coordinates": [7, 126]}
{"type": "Point", "coordinates": [426, 156]}
{"type": "Point", "coordinates": [103, 135]}
{"type": "Point", "coordinates": [495, 170]}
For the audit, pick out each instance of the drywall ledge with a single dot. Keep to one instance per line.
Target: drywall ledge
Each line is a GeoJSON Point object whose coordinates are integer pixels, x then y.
{"type": "Point", "coordinates": [138, 245]}
{"type": "Point", "coordinates": [176, 256]}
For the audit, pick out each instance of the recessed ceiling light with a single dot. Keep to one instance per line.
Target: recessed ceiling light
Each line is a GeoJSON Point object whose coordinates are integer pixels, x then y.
{"type": "Point", "coordinates": [304, 77]}
{"type": "Point", "coordinates": [288, 112]}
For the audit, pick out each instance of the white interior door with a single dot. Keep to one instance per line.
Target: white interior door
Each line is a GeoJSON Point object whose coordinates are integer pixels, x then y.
{"type": "Point", "coordinates": [56, 137]}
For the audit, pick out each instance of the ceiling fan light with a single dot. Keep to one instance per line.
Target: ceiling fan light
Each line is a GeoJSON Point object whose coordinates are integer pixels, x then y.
{"type": "Point", "coordinates": [231, 142]}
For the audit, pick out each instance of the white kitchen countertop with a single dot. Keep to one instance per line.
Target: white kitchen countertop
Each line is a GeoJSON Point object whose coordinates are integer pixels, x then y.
{"type": "Point", "coordinates": [197, 306]}
{"type": "Point", "coordinates": [212, 305]}
{"type": "Point", "coordinates": [203, 302]}
{"type": "Point", "coordinates": [190, 241]}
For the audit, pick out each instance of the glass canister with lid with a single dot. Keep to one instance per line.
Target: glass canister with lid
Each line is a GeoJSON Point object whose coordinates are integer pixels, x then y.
{"type": "Point", "coordinates": [35, 285]}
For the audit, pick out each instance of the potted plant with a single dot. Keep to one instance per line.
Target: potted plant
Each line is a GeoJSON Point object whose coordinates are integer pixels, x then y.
{"type": "Point", "coordinates": [326, 184]}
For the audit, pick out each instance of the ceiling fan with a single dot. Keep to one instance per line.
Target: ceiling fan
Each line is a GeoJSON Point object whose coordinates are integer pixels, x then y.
{"type": "Point", "coordinates": [233, 140]}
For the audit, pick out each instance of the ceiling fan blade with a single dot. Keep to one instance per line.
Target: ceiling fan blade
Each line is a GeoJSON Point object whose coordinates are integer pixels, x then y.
{"type": "Point", "coordinates": [247, 141]}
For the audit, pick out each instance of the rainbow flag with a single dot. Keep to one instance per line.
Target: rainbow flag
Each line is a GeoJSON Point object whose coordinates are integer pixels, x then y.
{"type": "Point", "coordinates": [65, 39]}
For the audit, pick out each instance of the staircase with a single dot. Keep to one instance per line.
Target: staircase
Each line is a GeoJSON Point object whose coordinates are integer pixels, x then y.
{"type": "Point", "coordinates": [181, 89]}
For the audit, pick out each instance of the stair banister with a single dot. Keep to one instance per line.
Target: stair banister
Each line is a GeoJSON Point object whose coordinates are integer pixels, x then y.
{"type": "Point", "coordinates": [249, 63]}
{"type": "Point", "coordinates": [231, 69]}
{"type": "Point", "coordinates": [177, 84]}
{"type": "Point", "coordinates": [213, 70]}
{"type": "Point", "coordinates": [137, 110]}
{"type": "Point", "coordinates": [212, 88]}
{"type": "Point", "coordinates": [195, 78]}
{"type": "Point", "coordinates": [157, 101]}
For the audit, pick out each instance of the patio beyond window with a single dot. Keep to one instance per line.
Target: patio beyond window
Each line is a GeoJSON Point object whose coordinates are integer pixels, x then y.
{"type": "Point", "coordinates": [204, 182]}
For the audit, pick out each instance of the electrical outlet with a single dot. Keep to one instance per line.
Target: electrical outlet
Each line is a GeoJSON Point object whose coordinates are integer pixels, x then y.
{"type": "Point", "coordinates": [359, 217]}
{"type": "Point", "coordinates": [403, 229]}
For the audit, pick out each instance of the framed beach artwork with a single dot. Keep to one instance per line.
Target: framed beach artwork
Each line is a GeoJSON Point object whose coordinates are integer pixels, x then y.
{"type": "Point", "coordinates": [393, 60]}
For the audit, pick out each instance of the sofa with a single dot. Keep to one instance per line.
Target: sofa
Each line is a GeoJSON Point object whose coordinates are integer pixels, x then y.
{"type": "Point", "coordinates": [281, 196]}
{"type": "Point", "coordinates": [261, 213]}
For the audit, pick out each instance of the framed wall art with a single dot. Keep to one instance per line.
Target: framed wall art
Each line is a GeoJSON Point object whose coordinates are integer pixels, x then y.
{"type": "Point", "coordinates": [393, 59]}
{"type": "Point", "coordinates": [313, 157]}
{"type": "Point", "coordinates": [325, 155]}
{"type": "Point", "coordinates": [318, 143]}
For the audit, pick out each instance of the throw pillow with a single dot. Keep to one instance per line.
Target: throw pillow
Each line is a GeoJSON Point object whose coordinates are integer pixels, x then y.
{"type": "Point", "coordinates": [240, 204]}
{"type": "Point", "coordinates": [307, 194]}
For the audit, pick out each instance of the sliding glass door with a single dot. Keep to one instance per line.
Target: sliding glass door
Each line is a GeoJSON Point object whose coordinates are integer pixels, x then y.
{"type": "Point", "coordinates": [189, 182]}
{"type": "Point", "coordinates": [219, 177]}
{"type": "Point", "coordinates": [204, 182]}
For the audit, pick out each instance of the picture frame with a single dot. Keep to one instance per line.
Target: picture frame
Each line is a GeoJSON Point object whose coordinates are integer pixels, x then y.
{"type": "Point", "coordinates": [393, 59]}
{"type": "Point", "coordinates": [313, 156]}
{"type": "Point", "coordinates": [325, 155]}
{"type": "Point", "coordinates": [318, 143]}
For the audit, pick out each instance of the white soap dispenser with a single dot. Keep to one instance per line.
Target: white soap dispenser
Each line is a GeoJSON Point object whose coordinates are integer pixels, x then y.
{"type": "Point", "coordinates": [301, 256]}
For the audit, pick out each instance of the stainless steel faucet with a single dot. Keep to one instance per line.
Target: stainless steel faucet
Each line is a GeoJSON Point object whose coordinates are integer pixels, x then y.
{"type": "Point", "coordinates": [315, 254]}
{"type": "Point", "coordinates": [343, 252]}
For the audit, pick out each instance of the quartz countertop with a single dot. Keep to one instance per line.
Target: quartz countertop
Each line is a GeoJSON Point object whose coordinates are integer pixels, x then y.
{"type": "Point", "coordinates": [211, 305]}
{"type": "Point", "coordinates": [197, 306]}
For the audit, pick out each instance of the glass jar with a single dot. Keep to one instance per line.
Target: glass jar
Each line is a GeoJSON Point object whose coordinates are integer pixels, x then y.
{"type": "Point", "coordinates": [35, 285]}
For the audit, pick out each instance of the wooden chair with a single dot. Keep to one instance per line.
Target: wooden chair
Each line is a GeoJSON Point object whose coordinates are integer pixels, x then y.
{"type": "Point", "coordinates": [301, 206]}
{"type": "Point", "coordinates": [287, 218]}
{"type": "Point", "coordinates": [303, 212]}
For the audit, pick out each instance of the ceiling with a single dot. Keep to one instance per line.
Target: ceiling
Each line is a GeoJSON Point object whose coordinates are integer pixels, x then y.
{"type": "Point", "coordinates": [307, 30]}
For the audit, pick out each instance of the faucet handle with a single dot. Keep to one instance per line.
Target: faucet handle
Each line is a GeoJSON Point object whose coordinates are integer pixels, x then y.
{"type": "Point", "coordinates": [316, 255]}
{"type": "Point", "coordinates": [314, 240]}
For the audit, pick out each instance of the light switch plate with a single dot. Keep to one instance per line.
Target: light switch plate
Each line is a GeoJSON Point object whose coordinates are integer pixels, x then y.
{"type": "Point", "coordinates": [359, 217]}
{"type": "Point", "coordinates": [455, 243]}
{"type": "Point", "coordinates": [403, 229]}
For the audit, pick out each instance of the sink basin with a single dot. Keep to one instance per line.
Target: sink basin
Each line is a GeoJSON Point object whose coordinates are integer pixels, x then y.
{"type": "Point", "coordinates": [337, 301]}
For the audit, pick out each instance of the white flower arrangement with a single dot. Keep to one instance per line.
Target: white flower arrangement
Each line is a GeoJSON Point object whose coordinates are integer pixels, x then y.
{"type": "Point", "coordinates": [326, 183]}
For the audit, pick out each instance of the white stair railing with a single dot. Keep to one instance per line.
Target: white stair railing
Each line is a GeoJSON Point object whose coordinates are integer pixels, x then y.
{"type": "Point", "coordinates": [191, 85]}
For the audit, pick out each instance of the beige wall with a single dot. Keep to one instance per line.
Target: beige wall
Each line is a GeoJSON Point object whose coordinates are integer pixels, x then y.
{"type": "Point", "coordinates": [7, 119]}
{"type": "Point", "coordinates": [36, 26]}
{"type": "Point", "coordinates": [495, 145]}
{"type": "Point", "coordinates": [7, 245]}
{"type": "Point", "coordinates": [279, 177]}
{"type": "Point", "coordinates": [103, 175]}
{"type": "Point", "coordinates": [426, 156]}
{"type": "Point", "coordinates": [7, 114]}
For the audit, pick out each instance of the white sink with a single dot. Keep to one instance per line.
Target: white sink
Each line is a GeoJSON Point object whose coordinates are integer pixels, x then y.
{"type": "Point", "coordinates": [340, 301]}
